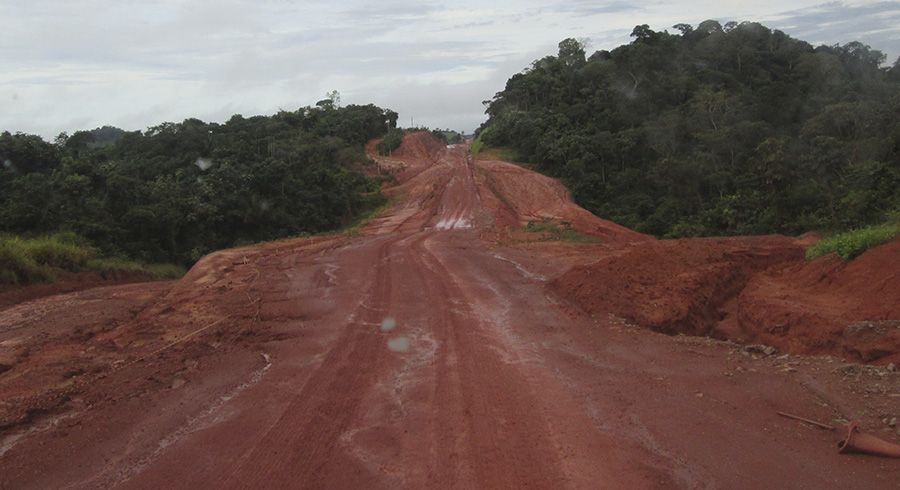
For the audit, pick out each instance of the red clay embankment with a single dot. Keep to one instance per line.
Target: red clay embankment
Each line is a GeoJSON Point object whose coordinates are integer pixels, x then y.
{"type": "Point", "coordinates": [750, 289]}
{"type": "Point", "coordinates": [674, 286]}
{"type": "Point", "coordinates": [851, 309]}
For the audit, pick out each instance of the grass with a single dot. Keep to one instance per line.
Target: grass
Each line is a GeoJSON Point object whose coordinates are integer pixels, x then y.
{"type": "Point", "coordinates": [852, 243]}
{"type": "Point", "coordinates": [353, 228]}
{"type": "Point", "coordinates": [563, 232]}
{"type": "Point", "coordinates": [114, 265]}
{"type": "Point", "coordinates": [476, 146]}
{"type": "Point", "coordinates": [503, 153]}
{"type": "Point", "coordinates": [41, 259]}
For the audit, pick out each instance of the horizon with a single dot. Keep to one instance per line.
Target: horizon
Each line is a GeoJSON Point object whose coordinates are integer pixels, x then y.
{"type": "Point", "coordinates": [81, 65]}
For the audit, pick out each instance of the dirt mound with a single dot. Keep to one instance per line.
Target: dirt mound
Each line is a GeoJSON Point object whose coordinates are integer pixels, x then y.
{"type": "Point", "coordinates": [419, 146]}
{"type": "Point", "coordinates": [674, 286]}
{"type": "Point", "coordinates": [418, 151]}
{"type": "Point", "coordinates": [829, 306]}
{"type": "Point", "coordinates": [530, 196]}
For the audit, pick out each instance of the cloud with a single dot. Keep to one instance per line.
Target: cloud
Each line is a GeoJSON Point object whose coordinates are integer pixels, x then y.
{"type": "Point", "coordinates": [68, 65]}
{"type": "Point", "coordinates": [876, 24]}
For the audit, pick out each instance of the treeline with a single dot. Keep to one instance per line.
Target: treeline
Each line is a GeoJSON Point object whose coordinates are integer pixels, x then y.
{"type": "Point", "coordinates": [176, 191]}
{"type": "Point", "coordinates": [734, 129]}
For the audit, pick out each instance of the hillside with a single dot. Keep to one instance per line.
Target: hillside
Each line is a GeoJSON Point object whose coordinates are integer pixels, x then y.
{"type": "Point", "coordinates": [715, 130]}
{"type": "Point", "coordinates": [177, 191]}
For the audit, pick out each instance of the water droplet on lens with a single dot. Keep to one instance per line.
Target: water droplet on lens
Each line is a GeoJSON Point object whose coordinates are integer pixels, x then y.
{"type": "Point", "coordinates": [388, 324]}
{"type": "Point", "coordinates": [398, 344]}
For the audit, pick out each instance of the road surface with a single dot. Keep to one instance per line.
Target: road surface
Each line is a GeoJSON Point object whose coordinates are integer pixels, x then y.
{"type": "Point", "coordinates": [419, 352]}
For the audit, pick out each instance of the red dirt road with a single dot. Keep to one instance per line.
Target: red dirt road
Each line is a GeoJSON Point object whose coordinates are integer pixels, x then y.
{"type": "Point", "coordinates": [426, 351]}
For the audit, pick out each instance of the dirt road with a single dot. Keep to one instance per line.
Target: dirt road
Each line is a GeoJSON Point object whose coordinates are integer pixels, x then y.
{"type": "Point", "coordinates": [422, 352]}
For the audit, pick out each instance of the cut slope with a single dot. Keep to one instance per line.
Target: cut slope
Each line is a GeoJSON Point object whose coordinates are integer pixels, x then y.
{"type": "Point", "coordinates": [829, 306]}
{"type": "Point", "coordinates": [531, 196]}
{"type": "Point", "coordinates": [418, 151]}
{"type": "Point", "coordinates": [674, 286]}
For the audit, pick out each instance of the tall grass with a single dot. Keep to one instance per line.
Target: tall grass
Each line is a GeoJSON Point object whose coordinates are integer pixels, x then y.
{"type": "Point", "coordinates": [849, 244]}
{"type": "Point", "coordinates": [40, 259]}
{"type": "Point", "coordinates": [26, 260]}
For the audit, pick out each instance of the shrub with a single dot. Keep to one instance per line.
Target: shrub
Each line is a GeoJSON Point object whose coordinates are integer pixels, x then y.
{"type": "Point", "coordinates": [17, 266]}
{"type": "Point", "coordinates": [60, 251]}
{"type": "Point", "coordinates": [852, 243]}
{"type": "Point", "coordinates": [390, 142]}
{"type": "Point", "coordinates": [28, 260]}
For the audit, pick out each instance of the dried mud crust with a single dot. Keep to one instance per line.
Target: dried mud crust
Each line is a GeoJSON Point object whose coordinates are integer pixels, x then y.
{"type": "Point", "coordinates": [425, 351]}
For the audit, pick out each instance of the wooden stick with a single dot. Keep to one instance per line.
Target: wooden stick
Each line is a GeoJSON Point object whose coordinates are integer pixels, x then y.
{"type": "Point", "coordinates": [808, 421]}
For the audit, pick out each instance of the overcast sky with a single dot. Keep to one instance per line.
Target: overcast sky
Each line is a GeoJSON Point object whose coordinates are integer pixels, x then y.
{"type": "Point", "coordinates": [78, 64]}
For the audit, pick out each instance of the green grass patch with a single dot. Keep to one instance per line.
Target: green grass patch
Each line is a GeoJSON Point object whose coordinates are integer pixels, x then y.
{"type": "Point", "coordinates": [563, 232]}
{"type": "Point", "coordinates": [493, 152]}
{"type": "Point", "coordinates": [28, 260]}
{"type": "Point", "coordinates": [40, 259]}
{"type": "Point", "coordinates": [113, 266]}
{"type": "Point", "coordinates": [353, 228]}
{"type": "Point", "coordinates": [476, 147]}
{"type": "Point", "coordinates": [17, 266]}
{"type": "Point", "coordinates": [849, 244]}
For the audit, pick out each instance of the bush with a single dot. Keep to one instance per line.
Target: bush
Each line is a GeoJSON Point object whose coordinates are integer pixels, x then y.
{"type": "Point", "coordinates": [28, 260]}
{"type": "Point", "coordinates": [852, 243]}
{"type": "Point", "coordinates": [390, 142]}
{"type": "Point", "coordinates": [60, 251]}
{"type": "Point", "coordinates": [17, 265]}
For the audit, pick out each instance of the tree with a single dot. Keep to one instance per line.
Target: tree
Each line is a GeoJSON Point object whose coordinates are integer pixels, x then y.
{"type": "Point", "coordinates": [718, 130]}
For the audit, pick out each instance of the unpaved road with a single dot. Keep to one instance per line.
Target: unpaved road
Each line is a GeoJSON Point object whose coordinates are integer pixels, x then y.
{"type": "Point", "coordinates": [420, 353]}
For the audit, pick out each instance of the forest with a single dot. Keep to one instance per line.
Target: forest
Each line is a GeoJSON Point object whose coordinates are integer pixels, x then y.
{"type": "Point", "coordinates": [714, 130]}
{"type": "Point", "coordinates": [177, 191]}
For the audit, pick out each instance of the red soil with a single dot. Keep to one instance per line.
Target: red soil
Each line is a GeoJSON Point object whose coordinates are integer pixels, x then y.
{"type": "Point", "coordinates": [533, 197]}
{"type": "Point", "coordinates": [426, 351]}
{"type": "Point", "coordinates": [850, 309]}
{"type": "Point", "coordinates": [66, 282]}
{"type": "Point", "coordinates": [674, 286]}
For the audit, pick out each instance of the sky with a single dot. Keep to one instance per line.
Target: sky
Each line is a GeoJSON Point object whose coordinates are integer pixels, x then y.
{"type": "Point", "coordinates": [67, 65]}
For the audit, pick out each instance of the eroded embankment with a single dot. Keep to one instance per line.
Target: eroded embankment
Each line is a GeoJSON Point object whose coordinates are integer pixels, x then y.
{"type": "Point", "coordinates": [530, 196]}
{"type": "Point", "coordinates": [827, 305]}
{"type": "Point", "coordinates": [750, 289]}
{"type": "Point", "coordinates": [674, 286]}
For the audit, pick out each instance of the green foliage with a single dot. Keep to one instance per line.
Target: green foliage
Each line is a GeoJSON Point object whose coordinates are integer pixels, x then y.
{"type": "Point", "coordinates": [852, 243]}
{"type": "Point", "coordinates": [39, 259]}
{"type": "Point", "coordinates": [553, 231]}
{"type": "Point", "coordinates": [448, 136]}
{"type": "Point", "coordinates": [478, 143]}
{"type": "Point", "coordinates": [17, 266]}
{"type": "Point", "coordinates": [180, 190]}
{"type": "Point", "coordinates": [390, 142]}
{"type": "Point", "coordinates": [476, 146]}
{"type": "Point", "coordinates": [717, 131]}
{"type": "Point", "coordinates": [34, 259]}
{"type": "Point", "coordinates": [114, 266]}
